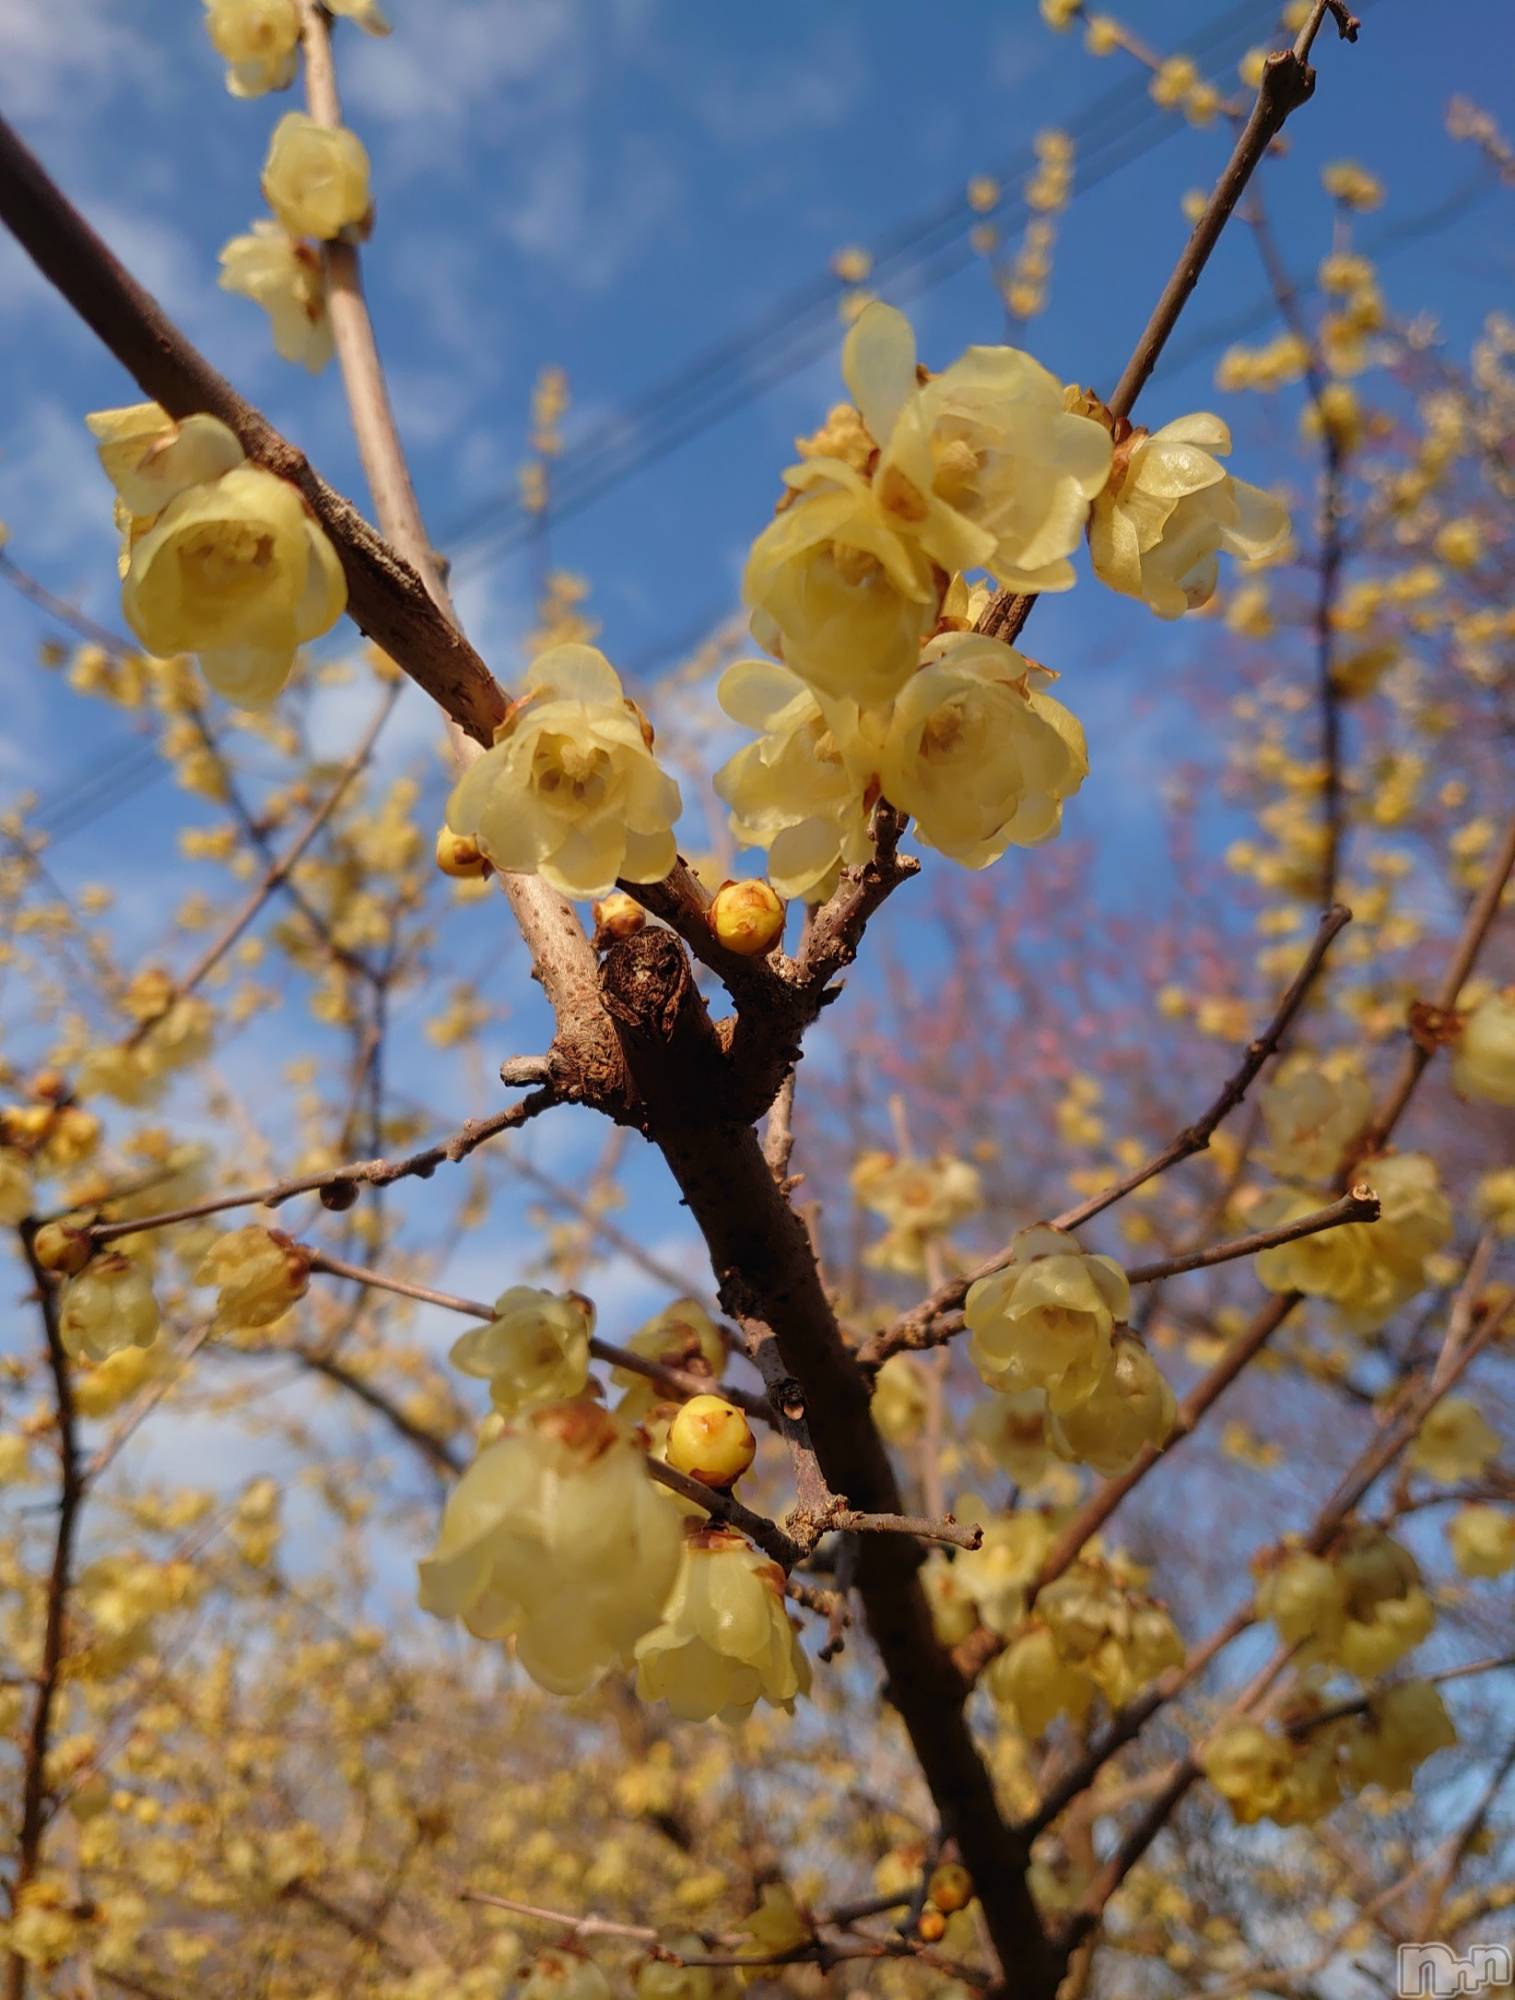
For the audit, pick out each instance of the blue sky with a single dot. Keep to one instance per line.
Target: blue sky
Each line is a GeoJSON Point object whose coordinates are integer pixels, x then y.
{"type": "Point", "coordinates": [622, 186]}
{"type": "Point", "coordinates": [618, 185]}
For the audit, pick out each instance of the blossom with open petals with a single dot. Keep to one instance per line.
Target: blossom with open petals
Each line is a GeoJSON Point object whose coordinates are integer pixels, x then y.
{"type": "Point", "coordinates": [284, 276]}
{"type": "Point", "coordinates": [535, 1349]}
{"type": "Point", "coordinates": [1047, 1318]}
{"type": "Point", "coordinates": [977, 754]}
{"type": "Point", "coordinates": [984, 465]}
{"type": "Point", "coordinates": [726, 1640]}
{"type": "Point", "coordinates": [794, 791]}
{"type": "Point", "coordinates": [571, 790]}
{"type": "Point", "coordinates": [1170, 508]}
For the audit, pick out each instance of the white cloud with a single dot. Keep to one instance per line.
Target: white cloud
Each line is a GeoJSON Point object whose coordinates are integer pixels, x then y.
{"type": "Point", "coordinates": [60, 60]}
{"type": "Point", "coordinates": [588, 223]}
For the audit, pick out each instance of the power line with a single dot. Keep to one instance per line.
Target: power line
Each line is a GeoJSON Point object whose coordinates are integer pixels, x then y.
{"type": "Point", "coordinates": [913, 258]}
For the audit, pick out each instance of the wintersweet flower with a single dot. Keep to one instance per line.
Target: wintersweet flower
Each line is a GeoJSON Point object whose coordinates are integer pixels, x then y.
{"type": "Point", "coordinates": [110, 1305]}
{"type": "Point", "coordinates": [1483, 1539]}
{"type": "Point", "coordinates": [238, 572]}
{"type": "Point", "coordinates": [682, 1335]}
{"type": "Point", "coordinates": [258, 1274]}
{"type": "Point", "coordinates": [258, 40]}
{"type": "Point", "coordinates": [535, 1350]}
{"type": "Point", "coordinates": [284, 276]}
{"type": "Point", "coordinates": [918, 1199]}
{"type": "Point", "coordinates": [1456, 1441]}
{"type": "Point", "coordinates": [571, 790]}
{"type": "Point", "coordinates": [794, 791]}
{"type": "Point", "coordinates": [1403, 1726]}
{"type": "Point", "coordinates": [563, 1972]}
{"type": "Point", "coordinates": [976, 754]}
{"type": "Point", "coordinates": [556, 1537]}
{"type": "Point", "coordinates": [152, 458]}
{"type": "Point", "coordinates": [1313, 1111]}
{"type": "Point", "coordinates": [840, 596]}
{"type": "Point", "coordinates": [725, 1641]}
{"type": "Point", "coordinates": [1483, 1059]}
{"type": "Point", "coordinates": [984, 466]}
{"type": "Point", "coordinates": [15, 1186]}
{"type": "Point", "coordinates": [1170, 508]}
{"type": "Point", "coordinates": [1131, 1407]}
{"type": "Point", "coordinates": [316, 177]}
{"type": "Point", "coordinates": [1047, 1318]}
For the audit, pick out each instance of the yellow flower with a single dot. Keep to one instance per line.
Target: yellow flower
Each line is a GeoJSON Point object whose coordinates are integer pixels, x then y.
{"type": "Point", "coordinates": [919, 1199]}
{"type": "Point", "coordinates": [1012, 1428]}
{"type": "Point", "coordinates": [535, 1349]}
{"type": "Point", "coordinates": [725, 1641]}
{"type": "Point", "coordinates": [794, 791]}
{"type": "Point", "coordinates": [258, 1274]}
{"type": "Point", "coordinates": [1170, 508]}
{"type": "Point", "coordinates": [238, 572]}
{"type": "Point", "coordinates": [1403, 1726]}
{"type": "Point", "coordinates": [315, 178]}
{"type": "Point", "coordinates": [1047, 1318]}
{"type": "Point", "coordinates": [1455, 1442]}
{"type": "Point", "coordinates": [1483, 1540]}
{"type": "Point", "coordinates": [284, 277]}
{"type": "Point", "coordinates": [899, 1402]}
{"type": "Point", "coordinates": [110, 1305]}
{"type": "Point", "coordinates": [1494, 1200]}
{"type": "Point", "coordinates": [682, 1335]}
{"type": "Point", "coordinates": [839, 595]}
{"type": "Point", "coordinates": [1353, 186]}
{"type": "Point", "coordinates": [1248, 1766]}
{"type": "Point", "coordinates": [977, 755]}
{"type": "Point", "coordinates": [1312, 1111]}
{"type": "Point", "coordinates": [571, 790]}
{"type": "Point", "coordinates": [982, 465]}
{"type": "Point", "coordinates": [557, 1537]}
{"type": "Point", "coordinates": [1131, 1407]}
{"type": "Point", "coordinates": [151, 459]}
{"type": "Point", "coordinates": [1483, 1060]}
{"type": "Point", "coordinates": [747, 917]}
{"type": "Point", "coordinates": [15, 1186]}
{"type": "Point", "coordinates": [258, 40]}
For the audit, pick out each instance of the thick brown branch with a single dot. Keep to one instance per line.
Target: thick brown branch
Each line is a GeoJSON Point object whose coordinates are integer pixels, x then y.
{"type": "Point", "coordinates": [386, 597]}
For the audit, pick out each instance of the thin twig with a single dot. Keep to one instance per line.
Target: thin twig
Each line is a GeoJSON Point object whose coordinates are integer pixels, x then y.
{"type": "Point", "coordinates": [1359, 1204]}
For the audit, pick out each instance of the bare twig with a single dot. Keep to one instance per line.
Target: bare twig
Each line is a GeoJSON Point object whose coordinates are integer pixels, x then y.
{"type": "Point", "coordinates": [1359, 1204]}
{"type": "Point", "coordinates": [342, 1180]}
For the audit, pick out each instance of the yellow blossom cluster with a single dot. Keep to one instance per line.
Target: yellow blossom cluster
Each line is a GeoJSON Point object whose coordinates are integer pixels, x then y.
{"type": "Point", "coordinates": [1296, 1775]}
{"type": "Point", "coordinates": [1360, 1605]}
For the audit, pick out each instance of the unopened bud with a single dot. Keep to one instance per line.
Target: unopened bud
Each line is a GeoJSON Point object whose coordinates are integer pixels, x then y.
{"type": "Point", "coordinates": [747, 917]}
{"type": "Point", "coordinates": [616, 916]}
{"type": "Point", "coordinates": [458, 855]}
{"type": "Point", "coordinates": [930, 1926]}
{"type": "Point", "coordinates": [62, 1246]}
{"type": "Point", "coordinates": [711, 1440]}
{"type": "Point", "coordinates": [950, 1887]}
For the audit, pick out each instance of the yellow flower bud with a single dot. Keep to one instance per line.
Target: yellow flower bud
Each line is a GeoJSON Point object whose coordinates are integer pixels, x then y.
{"type": "Point", "coordinates": [458, 855]}
{"type": "Point", "coordinates": [258, 40]}
{"type": "Point", "coordinates": [616, 916]}
{"type": "Point", "coordinates": [950, 1887]}
{"type": "Point", "coordinates": [747, 917]}
{"type": "Point", "coordinates": [711, 1440]}
{"type": "Point", "coordinates": [315, 178]}
{"type": "Point", "coordinates": [62, 1246]}
{"type": "Point", "coordinates": [931, 1926]}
